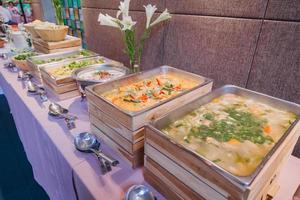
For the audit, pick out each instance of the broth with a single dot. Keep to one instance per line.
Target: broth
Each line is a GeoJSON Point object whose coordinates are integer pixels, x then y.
{"type": "Point", "coordinates": [234, 132]}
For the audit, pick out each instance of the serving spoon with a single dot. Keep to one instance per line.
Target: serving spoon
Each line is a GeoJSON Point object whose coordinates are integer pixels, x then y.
{"type": "Point", "coordinates": [139, 192]}
{"type": "Point", "coordinates": [24, 76]}
{"type": "Point", "coordinates": [88, 143]}
{"type": "Point", "coordinates": [60, 112]}
{"type": "Point", "coordinates": [34, 89]}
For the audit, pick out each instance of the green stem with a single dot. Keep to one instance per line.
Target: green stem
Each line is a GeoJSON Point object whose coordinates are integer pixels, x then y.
{"type": "Point", "coordinates": [129, 40]}
{"type": "Point", "coordinates": [144, 36]}
{"type": "Point", "coordinates": [58, 8]}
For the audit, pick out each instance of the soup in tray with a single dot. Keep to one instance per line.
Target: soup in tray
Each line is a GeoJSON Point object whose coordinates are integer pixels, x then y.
{"type": "Point", "coordinates": [234, 132]}
{"type": "Point", "coordinates": [144, 94]}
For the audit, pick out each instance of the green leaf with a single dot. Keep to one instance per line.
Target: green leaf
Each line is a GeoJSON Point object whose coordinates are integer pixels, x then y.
{"type": "Point", "coordinates": [144, 36]}
{"type": "Point", "coordinates": [129, 39]}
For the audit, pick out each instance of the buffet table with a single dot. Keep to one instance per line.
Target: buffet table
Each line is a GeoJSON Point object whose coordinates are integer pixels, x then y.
{"type": "Point", "coordinates": [64, 172]}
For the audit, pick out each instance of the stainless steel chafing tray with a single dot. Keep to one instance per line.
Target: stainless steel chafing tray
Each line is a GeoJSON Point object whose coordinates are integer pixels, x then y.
{"type": "Point", "coordinates": [99, 90]}
{"type": "Point", "coordinates": [61, 55]}
{"type": "Point", "coordinates": [176, 114]}
{"type": "Point", "coordinates": [67, 79]}
{"type": "Point", "coordinates": [134, 120]}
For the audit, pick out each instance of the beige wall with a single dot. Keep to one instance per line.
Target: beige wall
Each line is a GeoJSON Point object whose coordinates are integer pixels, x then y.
{"type": "Point", "coordinates": [253, 44]}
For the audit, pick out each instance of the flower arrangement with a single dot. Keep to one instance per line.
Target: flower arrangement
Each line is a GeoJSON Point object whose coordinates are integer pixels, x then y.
{"type": "Point", "coordinates": [126, 25]}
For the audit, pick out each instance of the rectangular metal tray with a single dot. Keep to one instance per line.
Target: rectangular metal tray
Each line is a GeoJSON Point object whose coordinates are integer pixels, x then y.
{"type": "Point", "coordinates": [135, 120]}
{"type": "Point", "coordinates": [176, 114]}
{"type": "Point", "coordinates": [56, 55]}
{"type": "Point", "coordinates": [126, 80]}
{"type": "Point", "coordinates": [67, 79]}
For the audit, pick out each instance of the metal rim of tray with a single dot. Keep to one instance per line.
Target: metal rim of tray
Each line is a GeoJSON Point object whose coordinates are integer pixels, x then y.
{"type": "Point", "coordinates": [243, 180]}
{"type": "Point", "coordinates": [110, 66]}
{"type": "Point", "coordinates": [206, 81]}
{"type": "Point", "coordinates": [53, 65]}
{"type": "Point", "coordinates": [59, 54]}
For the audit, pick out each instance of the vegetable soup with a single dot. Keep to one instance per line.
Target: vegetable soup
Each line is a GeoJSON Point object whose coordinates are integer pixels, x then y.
{"type": "Point", "coordinates": [234, 132]}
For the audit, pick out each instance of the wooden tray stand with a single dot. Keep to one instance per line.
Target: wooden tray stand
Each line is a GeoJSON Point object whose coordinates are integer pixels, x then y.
{"type": "Point", "coordinates": [130, 144]}
{"type": "Point", "coordinates": [200, 177]}
{"type": "Point", "coordinates": [172, 188]}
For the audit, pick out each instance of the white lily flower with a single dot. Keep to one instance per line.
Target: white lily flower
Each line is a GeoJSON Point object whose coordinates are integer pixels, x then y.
{"type": "Point", "coordinates": [162, 17]}
{"type": "Point", "coordinates": [150, 10]}
{"type": "Point", "coordinates": [124, 8]}
{"type": "Point", "coordinates": [127, 23]}
{"type": "Point", "coordinates": [107, 20]}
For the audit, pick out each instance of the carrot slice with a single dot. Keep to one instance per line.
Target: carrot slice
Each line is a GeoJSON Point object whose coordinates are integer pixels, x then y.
{"type": "Point", "coordinates": [149, 83]}
{"type": "Point", "coordinates": [267, 129]}
{"type": "Point", "coordinates": [144, 97]}
{"type": "Point", "coordinates": [233, 141]}
{"type": "Point", "coordinates": [158, 82]}
{"type": "Point", "coordinates": [178, 87]}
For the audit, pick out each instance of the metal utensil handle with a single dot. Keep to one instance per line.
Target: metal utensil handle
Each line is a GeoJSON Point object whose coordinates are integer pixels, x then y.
{"type": "Point", "coordinates": [111, 161]}
{"type": "Point", "coordinates": [108, 166]}
{"type": "Point", "coordinates": [102, 162]}
{"type": "Point", "coordinates": [43, 97]}
{"type": "Point", "coordinates": [71, 125]}
{"type": "Point", "coordinates": [70, 120]}
{"type": "Point", "coordinates": [102, 165]}
{"type": "Point", "coordinates": [68, 117]}
{"type": "Point", "coordinates": [42, 93]}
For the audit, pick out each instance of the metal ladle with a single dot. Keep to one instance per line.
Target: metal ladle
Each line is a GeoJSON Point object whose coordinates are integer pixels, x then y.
{"type": "Point", "coordinates": [139, 192]}
{"type": "Point", "coordinates": [58, 111]}
{"type": "Point", "coordinates": [88, 143]}
{"type": "Point", "coordinates": [37, 90]}
{"type": "Point", "coordinates": [24, 76]}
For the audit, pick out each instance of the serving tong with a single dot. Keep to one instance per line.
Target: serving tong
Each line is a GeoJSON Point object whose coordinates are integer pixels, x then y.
{"type": "Point", "coordinates": [57, 111]}
{"type": "Point", "coordinates": [88, 143]}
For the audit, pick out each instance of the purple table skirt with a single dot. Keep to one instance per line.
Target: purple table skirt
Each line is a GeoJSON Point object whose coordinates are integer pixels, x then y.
{"type": "Point", "coordinates": [48, 144]}
{"type": "Point", "coordinates": [61, 170]}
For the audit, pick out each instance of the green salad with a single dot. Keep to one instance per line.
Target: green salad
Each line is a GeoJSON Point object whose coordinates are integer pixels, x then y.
{"type": "Point", "coordinates": [24, 56]}
{"type": "Point", "coordinates": [80, 54]}
{"type": "Point", "coordinates": [67, 69]}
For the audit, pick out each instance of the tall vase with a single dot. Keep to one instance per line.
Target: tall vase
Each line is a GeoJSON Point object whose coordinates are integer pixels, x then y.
{"type": "Point", "coordinates": [134, 67]}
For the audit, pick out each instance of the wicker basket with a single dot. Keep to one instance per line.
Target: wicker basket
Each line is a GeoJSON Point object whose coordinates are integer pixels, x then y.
{"type": "Point", "coordinates": [30, 28]}
{"type": "Point", "coordinates": [52, 35]}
